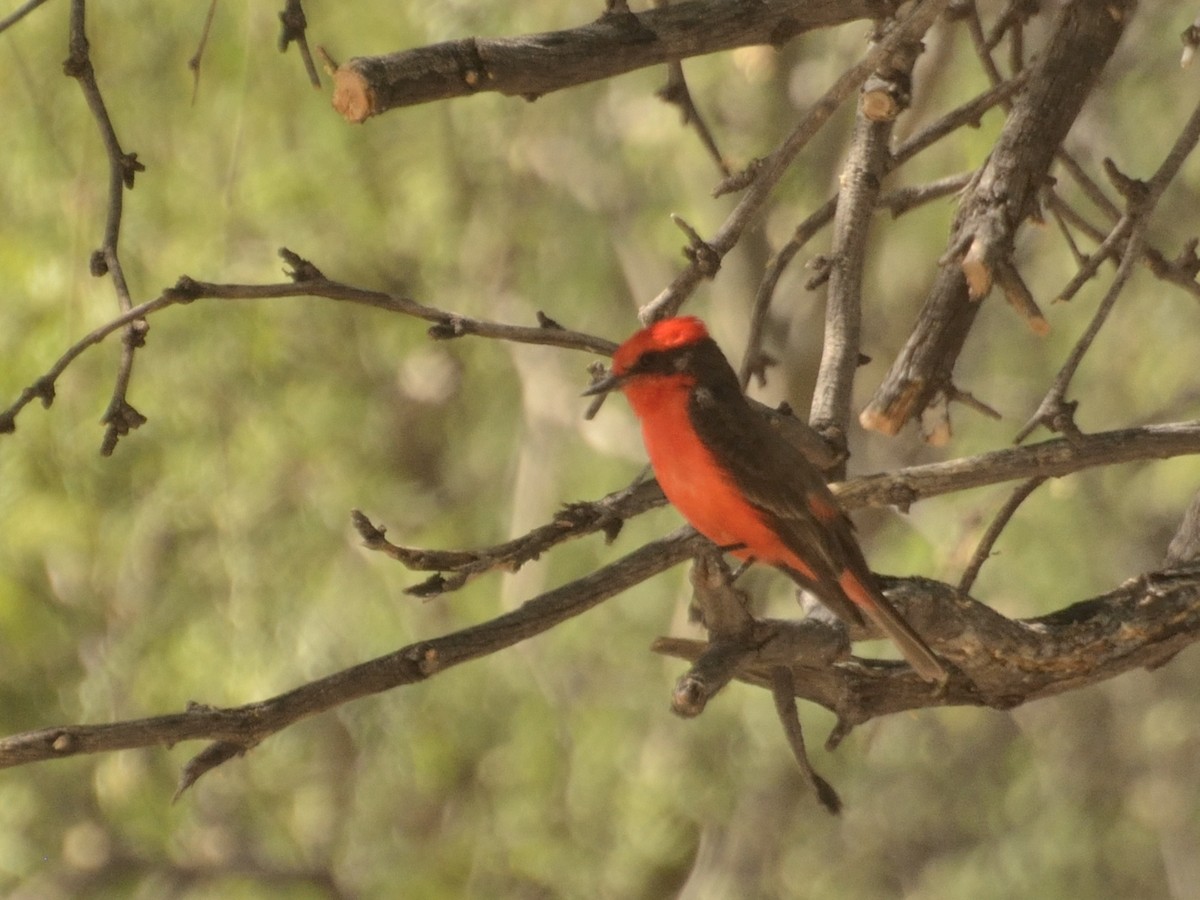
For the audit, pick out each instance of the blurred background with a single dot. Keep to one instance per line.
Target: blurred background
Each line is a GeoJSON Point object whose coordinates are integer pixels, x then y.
{"type": "Point", "coordinates": [211, 558]}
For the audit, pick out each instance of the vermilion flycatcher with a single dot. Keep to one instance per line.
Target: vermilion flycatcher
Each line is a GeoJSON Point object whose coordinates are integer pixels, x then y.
{"type": "Point", "coordinates": [742, 485]}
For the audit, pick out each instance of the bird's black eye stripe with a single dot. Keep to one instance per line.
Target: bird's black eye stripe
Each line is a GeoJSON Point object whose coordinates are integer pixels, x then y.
{"type": "Point", "coordinates": [656, 362]}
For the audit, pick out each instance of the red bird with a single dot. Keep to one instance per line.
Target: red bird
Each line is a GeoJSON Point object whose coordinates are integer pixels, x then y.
{"type": "Point", "coordinates": [741, 484]}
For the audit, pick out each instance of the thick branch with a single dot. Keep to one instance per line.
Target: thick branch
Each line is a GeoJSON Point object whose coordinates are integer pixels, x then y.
{"type": "Point", "coordinates": [1084, 38]}
{"type": "Point", "coordinates": [1047, 459]}
{"type": "Point", "coordinates": [1003, 662]}
{"type": "Point", "coordinates": [536, 64]}
{"type": "Point", "coordinates": [884, 95]}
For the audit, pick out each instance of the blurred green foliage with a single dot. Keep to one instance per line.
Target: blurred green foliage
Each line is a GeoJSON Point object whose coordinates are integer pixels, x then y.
{"type": "Point", "coordinates": [211, 558]}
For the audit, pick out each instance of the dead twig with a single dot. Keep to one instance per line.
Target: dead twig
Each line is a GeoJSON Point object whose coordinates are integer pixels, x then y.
{"type": "Point", "coordinates": [988, 541]}
{"type": "Point", "coordinates": [120, 417]}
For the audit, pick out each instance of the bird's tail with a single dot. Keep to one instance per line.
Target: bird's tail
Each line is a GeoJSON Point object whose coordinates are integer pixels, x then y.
{"type": "Point", "coordinates": [871, 602]}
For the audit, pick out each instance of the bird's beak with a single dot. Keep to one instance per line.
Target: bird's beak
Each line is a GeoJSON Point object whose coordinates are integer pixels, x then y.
{"type": "Point", "coordinates": [600, 389]}
{"type": "Point", "coordinates": [609, 382]}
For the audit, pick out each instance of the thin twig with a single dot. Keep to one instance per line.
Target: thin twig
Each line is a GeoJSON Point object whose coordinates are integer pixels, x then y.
{"type": "Point", "coordinates": [968, 114]}
{"type": "Point", "coordinates": [984, 550]}
{"type": "Point", "coordinates": [1057, 205]}
{"type": "Point", "coordinates": [194, 63]}
{"type": "Point", "coordinates": [1091, 189]}
{"type": "Point", "coordinates": [776, 266]}
{"type": "Point", "coordinates": [904, 199]}
{"type": "Point", "coordinates": [120, 417]}
{"type": "Point", "coordinates": [446, 325]}
{"type": "Point", "coordinates": [1053, 411]}
{"type": "Point", "coordinates": [1112, 243]}
{"type": "Point", "coordinates": [1115, 239]}
{"type": "Point", "coordinates": [19, 13]}
{"type": "Point", "coordinates": [983, 49]}
{"type": "Point", "coordinates": [783, 691]}
{"type": "Point", "coordinates": [295, 29]}
{"type": "Point", "coordinates": [1180, 272]}
{"type": "Point", "coordinates": [575, 520]}
{"type": "Point", "coordinates": [676, 92]}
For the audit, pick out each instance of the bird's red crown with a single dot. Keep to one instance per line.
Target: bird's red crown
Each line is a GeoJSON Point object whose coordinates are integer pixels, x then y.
{"type": "Point", "coordinates": [667, 334]}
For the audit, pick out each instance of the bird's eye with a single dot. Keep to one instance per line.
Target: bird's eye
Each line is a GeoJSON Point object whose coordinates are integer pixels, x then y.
{"type": "Point", "coordinates": [659, 362]}
{"type": "Point", "coordinates": [650, 361]}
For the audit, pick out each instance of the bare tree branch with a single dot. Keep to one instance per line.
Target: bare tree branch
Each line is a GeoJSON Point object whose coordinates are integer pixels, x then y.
{"type": "Point", "coordinates": [1052, 459]}
{"type": "Point", "coordinates": [1003, 662]}
{"type": "Point", "coordinates": [193, 64]}
{"type": "Point", "coordinates": [120, 418]}
{"type": "Point", "coordinates": [1084, 37]}
{"type": "Point", "coordinates": [308, 282]}
{"type": "Point", "coordinates": [769, 170]}
{"type": "Point", "coordinates": [988, 541]}
{"type": "Point", "coordinates": [1180, 271]}
{"type": "Point", "coordinates": [575, 520]}
{"type": "Point", "coordinates": [1054, 411]}
{"type": "Point", "coordinates": [295, 30]}
{"type": "Point", "coordinates": [1141, 198]}
{"type": "Point", "coordinates": [19, 13]}
{"type": "Point", "coordinates": [618, 42]}
{"type": "Point", "coordinates": [234, 730]}
{"type": "Point", "coordinates": [676, 92]}
{"type": "Point", "coordinates": [898, 202]}
{"type": "Point", "coordinates": [860, 185]}
{"type": "Point", "coordinates": [783, 691]}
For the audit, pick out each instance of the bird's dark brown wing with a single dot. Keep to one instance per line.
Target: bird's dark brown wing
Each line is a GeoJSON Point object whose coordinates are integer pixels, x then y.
{"type": "Point", "coordinates": [787, 489]}
{"type": "Point", "coordinates": [797, 505]}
